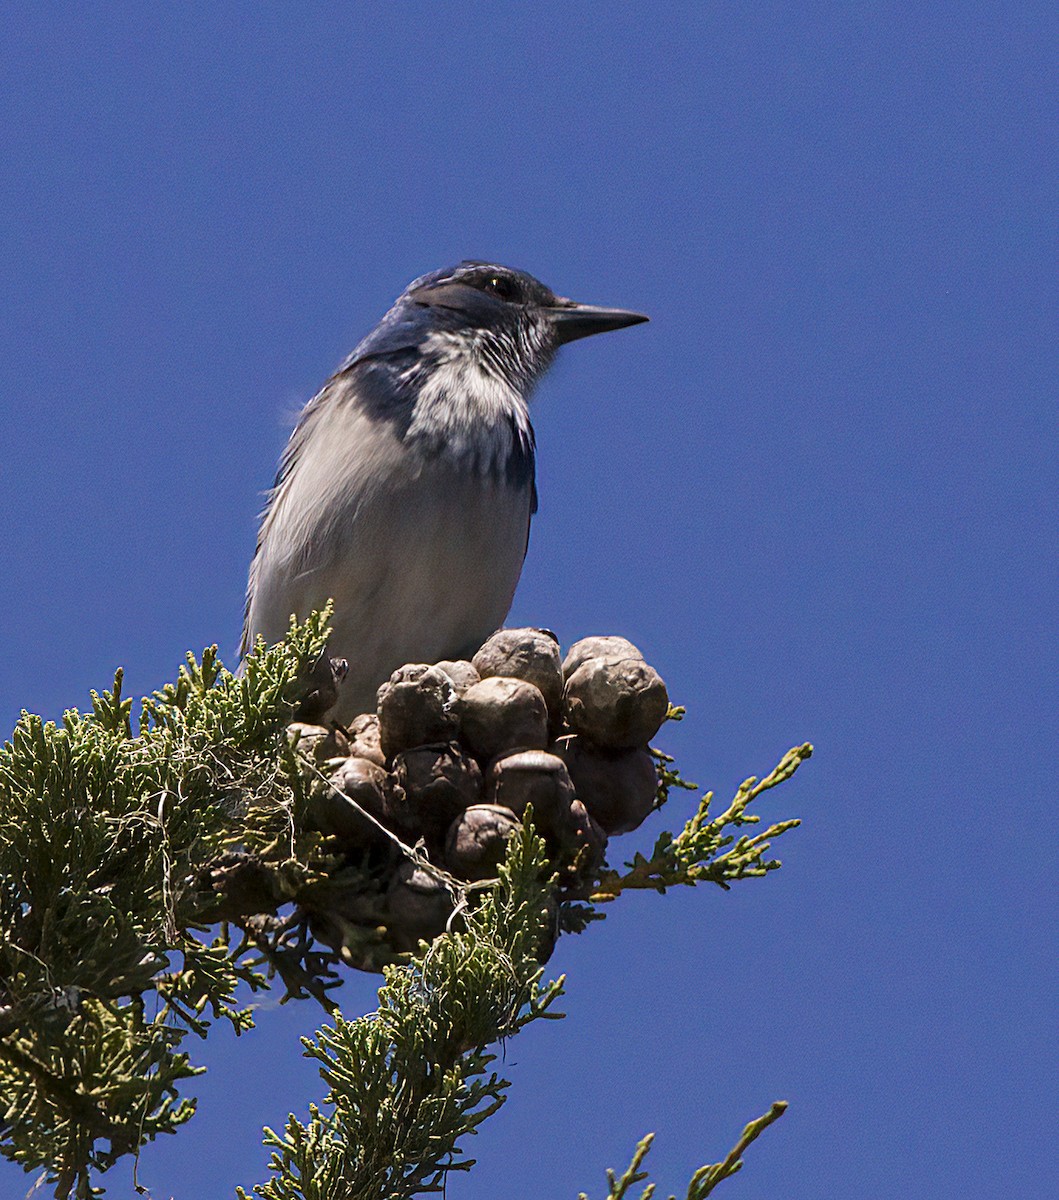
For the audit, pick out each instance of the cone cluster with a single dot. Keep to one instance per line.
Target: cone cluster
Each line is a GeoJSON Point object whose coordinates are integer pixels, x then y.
{"type": "Point", "coordinates": [457, 751]}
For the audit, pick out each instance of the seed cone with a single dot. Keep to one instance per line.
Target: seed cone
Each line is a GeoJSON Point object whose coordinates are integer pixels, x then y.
{"type": "Point", "coordinates": [439, 782]}
{"type": "Point", "coordinates": [416, 707]}
{"type": "Point", "coordinates": [448, 766]}
{"type": "Point", "coordinates": [529, 654]}
{"type": "Point", "coordinates": [503, 714]}
{"type": "Point", "coordinates": [364, 738]}
{"type": "Point", "coordinates": [477, 840]}
{"type": "Point", "coordinates": [618, 787]}
{"type": "Point", "coordinates": [616, 703]}
{"type": "Point", "coordinates": [597, 647]}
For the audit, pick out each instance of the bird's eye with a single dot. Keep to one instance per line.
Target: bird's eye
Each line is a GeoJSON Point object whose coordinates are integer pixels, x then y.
{"type": "Point", "coordinates": [501, 287]}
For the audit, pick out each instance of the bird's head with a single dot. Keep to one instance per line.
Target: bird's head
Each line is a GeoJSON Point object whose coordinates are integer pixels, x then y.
{"type": "Point", "coordinates": [509, 318]}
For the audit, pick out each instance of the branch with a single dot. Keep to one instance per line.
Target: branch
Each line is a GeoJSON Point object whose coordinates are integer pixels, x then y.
{"type": "Point", "coordinates": [409, 1081]}
{"type": "Point", "coordinates": [705, 1178]}
{"type": "Point", "coordinates": [698, 854]}
{"type": "Point", "coordinates": [120, 850]}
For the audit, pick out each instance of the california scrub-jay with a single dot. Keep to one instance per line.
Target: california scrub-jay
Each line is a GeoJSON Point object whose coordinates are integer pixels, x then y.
{"type": "Point", "coordinates": [406, 489]}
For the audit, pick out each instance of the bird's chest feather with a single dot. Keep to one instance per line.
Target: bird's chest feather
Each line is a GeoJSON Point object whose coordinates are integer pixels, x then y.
{"type": "Point", "coordinates": [429, 570]}
{"type": "Point", "coordinates": [469, 416]}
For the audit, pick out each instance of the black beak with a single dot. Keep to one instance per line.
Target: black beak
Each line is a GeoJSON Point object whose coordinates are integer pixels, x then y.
{"type": "Point", "coordinates": [573, 321]}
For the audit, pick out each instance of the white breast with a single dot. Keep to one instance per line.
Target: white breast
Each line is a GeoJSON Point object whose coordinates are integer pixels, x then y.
{"type": "Point", "coordinates": [470, 412]}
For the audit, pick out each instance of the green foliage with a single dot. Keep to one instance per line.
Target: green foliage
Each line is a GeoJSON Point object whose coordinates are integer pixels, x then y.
{"type": "Point", "coordinates": [152, 872]}
{"type": "Point", "coordinates": [408, 1081]}
{"type": "Point", "coordinates": [705, 1178]}
{"type": "Point", "coordinates": [704, 851]}
{"type": "Point", "coordinates": [668, 775]}
{"type": "Point", "coordinates": [103, 836]}
{"type": "Point", "coordinates": [109, 1076]}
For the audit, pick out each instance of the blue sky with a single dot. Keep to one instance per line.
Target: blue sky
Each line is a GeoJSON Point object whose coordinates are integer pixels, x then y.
{"type": "Point", "coordinates": [819, 490]}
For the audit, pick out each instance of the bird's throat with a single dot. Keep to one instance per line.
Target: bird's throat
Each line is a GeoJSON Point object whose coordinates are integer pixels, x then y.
{"type": "Point", "coordinates": [468, 414]}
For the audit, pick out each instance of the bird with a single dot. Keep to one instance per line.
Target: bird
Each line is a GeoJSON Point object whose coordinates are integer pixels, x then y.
{"type": "Point", "coordinates": [406, 490]}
